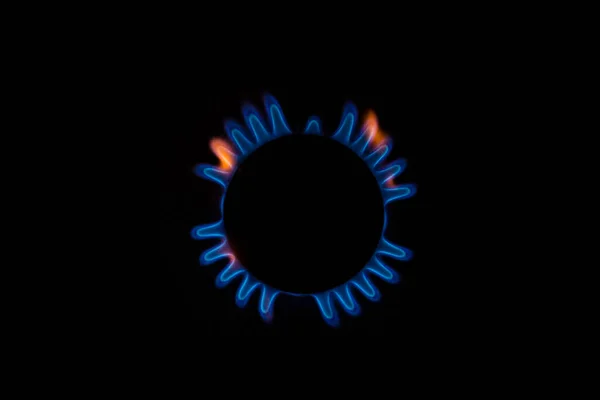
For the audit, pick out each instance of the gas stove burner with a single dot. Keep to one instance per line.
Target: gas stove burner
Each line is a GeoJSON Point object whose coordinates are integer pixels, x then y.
{"type": "Point", "coordinates": [367, 142]}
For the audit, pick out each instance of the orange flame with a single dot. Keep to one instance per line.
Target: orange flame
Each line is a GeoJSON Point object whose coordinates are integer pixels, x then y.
{"type": "Point", "coordinates": [224, 152]}
{"type": "Point", "coordinates": [377, 137]}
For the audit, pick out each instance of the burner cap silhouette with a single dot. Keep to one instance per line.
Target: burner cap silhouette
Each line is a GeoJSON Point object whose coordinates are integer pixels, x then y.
{"type": "Point", "coordinates": [303, 214]}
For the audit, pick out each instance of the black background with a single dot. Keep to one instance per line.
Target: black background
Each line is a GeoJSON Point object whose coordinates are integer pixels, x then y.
{"type": "Point", "coordinates": [427, 117]}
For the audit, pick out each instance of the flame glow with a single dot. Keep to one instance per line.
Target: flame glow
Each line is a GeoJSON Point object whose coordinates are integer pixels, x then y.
{"type": "Point", "coordinates": [223, 150]}
{"type": "Point", "coordinates": [377, 137]}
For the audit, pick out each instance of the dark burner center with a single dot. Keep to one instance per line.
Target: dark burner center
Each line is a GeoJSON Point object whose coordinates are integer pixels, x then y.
{"type": "Point", "coordinates": [303, 214]}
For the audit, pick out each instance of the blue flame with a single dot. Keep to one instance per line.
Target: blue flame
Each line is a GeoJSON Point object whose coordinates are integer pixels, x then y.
{"type": "Point", "coordinates": [256, 133]}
